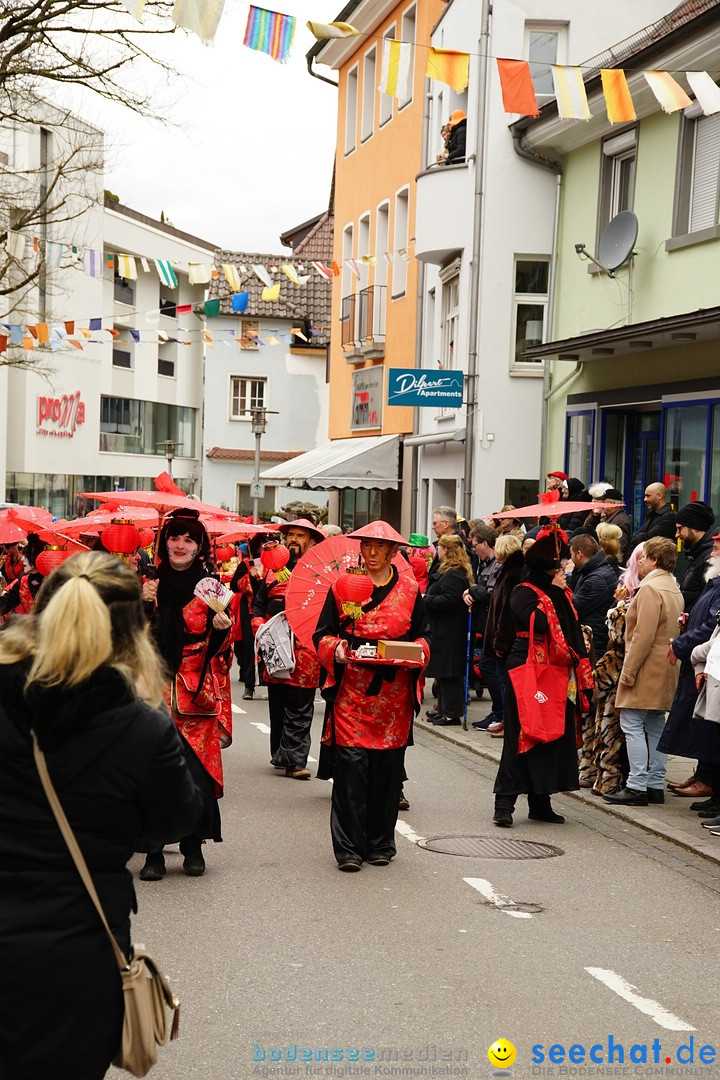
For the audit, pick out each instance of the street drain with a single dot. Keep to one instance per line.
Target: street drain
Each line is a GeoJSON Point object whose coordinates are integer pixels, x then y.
{"type": "Point", "coordinates": [486, 847]}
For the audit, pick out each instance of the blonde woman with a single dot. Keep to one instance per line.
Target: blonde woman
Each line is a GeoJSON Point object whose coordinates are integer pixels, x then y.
{"type": "Point", "coordinates": [82, 673]}
{"type": "Point", "coordinates": [609, 537]}
{"type": "Point", "coordinates": [448, 615]}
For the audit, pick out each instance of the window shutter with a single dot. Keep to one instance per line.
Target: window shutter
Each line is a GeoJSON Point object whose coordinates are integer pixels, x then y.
{"type": "Point", "coordinates": [706, 173]}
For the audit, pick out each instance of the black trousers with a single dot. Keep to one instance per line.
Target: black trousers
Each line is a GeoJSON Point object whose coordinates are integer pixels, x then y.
{"type": "Point", "coordinates": [451, 695]}
{"type": "Point", "coordinates": [537, 803]}
{"type": "Point", "coordinates": [366, 790]}
{"type": "Point", "coordinates": [291, 716]}
{"type": "Point", "coordinates": [245, 649]}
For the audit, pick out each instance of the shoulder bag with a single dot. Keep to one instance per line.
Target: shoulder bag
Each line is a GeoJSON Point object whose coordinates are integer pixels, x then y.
{"type": "Point", "coordinates": [146, 991]}
{"type": "Point", "coordinates": [541, 691]}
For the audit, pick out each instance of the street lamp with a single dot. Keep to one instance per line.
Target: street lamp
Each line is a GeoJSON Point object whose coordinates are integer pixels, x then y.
{"type": "Point", "coordinates": [258, 426]}
{"type": "Point", "coordinates": [168, 448]}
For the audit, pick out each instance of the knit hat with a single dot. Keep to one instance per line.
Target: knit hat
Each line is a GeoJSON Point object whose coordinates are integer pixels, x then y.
{"type": "Point", "coordinates": [558, 475]}
{"type": "Point", "coordinates": [696, 515]}
{"type": "Point", "coordinates": [613, 495]}
{"type": "Point", "coordinates": [418, 540]}
{"type": "Point", "coordinates": [574, 487]}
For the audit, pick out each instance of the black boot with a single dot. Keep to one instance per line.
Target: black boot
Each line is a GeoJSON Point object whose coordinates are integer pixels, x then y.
{"type": "Point", "coordinates": [540, 809]}
{"type": "Point", "coordinates": [154, 868]}
{"type": "Point", "coordinates": [193, 863]}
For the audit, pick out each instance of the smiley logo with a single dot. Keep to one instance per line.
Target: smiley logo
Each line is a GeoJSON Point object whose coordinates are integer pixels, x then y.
{"type": "Point", "coordinates": [501, 1054]}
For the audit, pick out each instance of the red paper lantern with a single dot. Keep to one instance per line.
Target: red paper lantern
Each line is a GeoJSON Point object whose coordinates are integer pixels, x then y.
{"type": "Point", "coordinates": [224, 554]}
{"type": "Point", "coordinates": [121, 538]}
{"type": "Point", "coordinates": [275, 557]}
{"type": "Point", "coordinates": [146, 537]}
{"type": "Point", "coordinates": [50, 559]}
{"type": "Point", "coordinates": [353, 588]}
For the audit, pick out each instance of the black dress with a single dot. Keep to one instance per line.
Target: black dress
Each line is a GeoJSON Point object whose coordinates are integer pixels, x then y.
{"type": "Point", "coordinates": [547, 767]}
{"type": "Point", "coordinates": [120, 774]}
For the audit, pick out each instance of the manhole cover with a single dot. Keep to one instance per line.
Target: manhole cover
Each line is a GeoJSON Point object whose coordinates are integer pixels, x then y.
{"type": "Point", "coordinates": [486, 847]}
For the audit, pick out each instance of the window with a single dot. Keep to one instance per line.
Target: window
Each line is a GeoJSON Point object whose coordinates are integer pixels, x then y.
{"type": "Point", "coordinates": [386, 102]}
{"type": "Point", "coordinates": [351, 103]}
{"type": "Point", "coordinates": [685, 456]}
{"type": "Point", "coordinates": [617, 177]}
{"type": "Point", "coordinates": [347, 278]}
{"type": "Point", "coordinates": [122, 356]}
{"type": "Point", "coordinates": [166, 360]}
{"type": "Point", "coordinates": [400, 254]}
{"type": "Point", "coordinates": [579, 444]}
{"type": "Point", "coordinates": [363, 250]}
{"type": "Point", "coordinates": [382, 235]}
{"type": "Point", "coordinates": [128, 426]}
{"type": "Point", "coordinates": [530, 301]}
{"type": "Point", "coordinates": [368, 95]}
{"type": "Point", "coordinates": [168, 302]}
{"type": "Point", "coordinates": [450, 278]}
{"type": "Point", "coordinates": [123, 289]}
{"type": "Point", "coordinates": [544, 43]}
{"type": "Point", "coordinates": [246, 393]}
{"type": "Point", "coordinates": [407, 34]}
{"type": "Point", "coordinates": [250, 332]}
{"type": "Point", "coordinates": [698, 180]}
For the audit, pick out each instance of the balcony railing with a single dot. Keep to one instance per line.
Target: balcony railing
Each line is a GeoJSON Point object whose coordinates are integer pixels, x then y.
{"type": "Point", "coordinates": [347, 320]}
{"type": "Point", "coordinates": [362, 324]}
{"type": "Point", "coordinates": [371, 315]}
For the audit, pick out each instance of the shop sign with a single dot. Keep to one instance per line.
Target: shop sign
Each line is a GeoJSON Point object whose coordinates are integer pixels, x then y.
{"type": "Point", "coordinates": [60, 416]}
{"type": "Point", "coordinates": [367, 398]}
{"type": "Point", "coordinates": [441, 389]}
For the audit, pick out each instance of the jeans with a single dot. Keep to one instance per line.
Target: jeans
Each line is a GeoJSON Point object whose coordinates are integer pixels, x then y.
{"type": "Point", "coordinates": [642, 729]}
{"type": "Point", "coordinates": [494, 674]}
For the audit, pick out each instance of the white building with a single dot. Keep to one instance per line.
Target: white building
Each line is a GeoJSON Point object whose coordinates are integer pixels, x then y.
{"type": "Point", "coordinates": [508, 217]}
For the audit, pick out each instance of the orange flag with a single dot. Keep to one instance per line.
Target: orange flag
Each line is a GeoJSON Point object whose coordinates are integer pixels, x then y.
{"type": "Point", "coordinates": [619, 104]}
{"type": "Point", "coordinates": [43, 333]}
{"type": "Point", "coordinates": [518, 93]}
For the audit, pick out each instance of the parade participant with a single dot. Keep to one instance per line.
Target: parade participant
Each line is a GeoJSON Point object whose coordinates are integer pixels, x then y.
{"type": "Point", "coordinates": [371, 707]}
{"type": "Point", "coordinates": [545, 767]}
{"type": "Point", "coordinates": [290, 701]}
{"type": "Point", "coordinates": [448, 616]}
{"type": "Point", "coordinates": [13, 565]}
{"type": "Point", "coordinates": [20, 597]}
{"type": "Point", "coordinates": [188, 635]}
{"type": "Point", "coordinates": [245, 582]}
{"type": "Point", "coordinates": [81, 672]}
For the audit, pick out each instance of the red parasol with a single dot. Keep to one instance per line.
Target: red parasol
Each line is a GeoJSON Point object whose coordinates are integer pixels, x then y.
{"type": "Point", "coordinates": [554, 509]}
{"type": "Point", "coordinates": [10, 533]}
{"type": "Point", "coordinates": [97, 520]}
{"type": "Point", "coordinates": [242, 531]}
{"type": "Point", "coordinates": [313, 575]}
{"type": "Point", "coordinates": [162, 501]}
{"type": "Point", "coordinates": [30, 518]}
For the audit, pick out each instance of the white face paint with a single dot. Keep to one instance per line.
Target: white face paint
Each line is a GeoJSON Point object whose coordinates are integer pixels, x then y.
{"type": "Point", "coordinates": [182, 551]}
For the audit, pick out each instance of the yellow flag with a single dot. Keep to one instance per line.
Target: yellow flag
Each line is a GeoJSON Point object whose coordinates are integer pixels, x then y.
{"type": "Point", "coordinates": [449, 67]}
{"type": "Point", "coordinates": [322, 31]}
{"type": "Point", "coordinates": [272, 293]}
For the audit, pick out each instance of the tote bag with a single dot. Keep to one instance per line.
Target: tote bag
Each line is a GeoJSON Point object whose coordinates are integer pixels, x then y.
{"type": "Point", "coordinates": [541, 691]}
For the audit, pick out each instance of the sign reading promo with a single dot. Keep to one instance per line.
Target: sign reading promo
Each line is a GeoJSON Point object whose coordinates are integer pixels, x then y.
{"type": "Point", "coordinates": [422, 387]}
{"type": "Point", "coordinates": [59, 416]}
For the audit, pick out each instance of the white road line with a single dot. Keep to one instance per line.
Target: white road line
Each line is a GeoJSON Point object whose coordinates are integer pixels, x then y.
{"type": "Point", "coordinates": [313, 759]}
{"type": "Point", "coordinates": [261, 727]}
{"type": "Point", "coordinates": [651, 1008]}
{"type": "Point", "coordinates": [502, 903]}
{"type": "Point", "coordinates": [408, 833]}
{"type": "Point", "coordinates": [237, 709]}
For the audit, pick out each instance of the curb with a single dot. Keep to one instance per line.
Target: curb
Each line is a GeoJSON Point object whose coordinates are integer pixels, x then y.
{"type": "Point", "coordinates": [653, 826]}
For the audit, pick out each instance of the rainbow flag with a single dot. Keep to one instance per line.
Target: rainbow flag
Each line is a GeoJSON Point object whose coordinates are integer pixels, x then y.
{"type": "Point", "coordinates": [269, 32]}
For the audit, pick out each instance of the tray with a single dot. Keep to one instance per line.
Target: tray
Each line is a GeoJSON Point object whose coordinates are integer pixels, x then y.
{"type": "Point", "coordinates": [376, 661]}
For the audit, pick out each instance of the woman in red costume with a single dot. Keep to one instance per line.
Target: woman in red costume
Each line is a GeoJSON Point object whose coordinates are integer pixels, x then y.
{"type": "Point", "coordinates": [19, 597]}
{"type": "Point", "coordinates": [541, 769]}
{"type": "Point", "coordinates": [188, 635]}
{"type": "Point", "coordinates": [371, 707]}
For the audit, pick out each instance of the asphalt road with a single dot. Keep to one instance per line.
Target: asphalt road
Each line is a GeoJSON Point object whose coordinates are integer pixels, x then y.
{"type": "Point", "coordinates": [287, 967]}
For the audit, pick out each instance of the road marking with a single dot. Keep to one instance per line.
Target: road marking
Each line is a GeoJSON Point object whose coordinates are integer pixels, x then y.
{"type": "Point", "coordinates": [408, 833]}
{"type": "Point", "coordinates": [502, 903]}
{"type": "Point", "coordinates": [651, 1008]}
{"type": "Point", "coordinates": [261, 727]}
{"type": "Point", "coordinates": [237, 709]}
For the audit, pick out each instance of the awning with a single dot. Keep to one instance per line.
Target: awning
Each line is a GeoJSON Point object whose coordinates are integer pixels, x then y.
{"type": "Point", "coordinates": [369, 462]}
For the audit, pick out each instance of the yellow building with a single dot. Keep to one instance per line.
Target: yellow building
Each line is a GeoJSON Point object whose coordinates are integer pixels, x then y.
{"type": "Point", "coordinates": [379, 153]}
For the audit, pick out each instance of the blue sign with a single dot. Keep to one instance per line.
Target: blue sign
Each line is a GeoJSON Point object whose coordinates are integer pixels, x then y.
{"type": "Point", "coordinates": [422, 387]}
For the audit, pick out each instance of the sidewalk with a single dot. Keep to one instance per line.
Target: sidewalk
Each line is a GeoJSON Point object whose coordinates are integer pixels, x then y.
{"type": "Point", "coordinates": [672, 820]}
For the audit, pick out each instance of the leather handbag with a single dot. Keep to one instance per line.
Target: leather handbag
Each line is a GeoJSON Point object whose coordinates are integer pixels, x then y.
{"type": "Point", "coordinates": [146, 992]}
{"type": "Point", "coordinates": [541, 691]}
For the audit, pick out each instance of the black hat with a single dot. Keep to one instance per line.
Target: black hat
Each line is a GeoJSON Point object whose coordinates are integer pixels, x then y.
{"type": "Point", "coordinates": [574, 487]}
{"type": "Point", "coordinates": [547, 553]}
{"type": "Point", "coordinates": [696, 515]}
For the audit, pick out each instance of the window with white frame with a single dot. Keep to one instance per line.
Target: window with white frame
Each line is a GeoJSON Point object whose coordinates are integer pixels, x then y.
{"type": "Point", "coordinates": [386, 101]}
{"type": "Point", "coordinates": [450, 278]}
{"type": "Point", "coordinates": [407, 34]}
{"type": "Point", "coordinates": [363, 250]}
{"type": "Point", "coordinates": [400, 252]}
{"type": "Point", "coordinates": [545, 45]}
{"type": "Point", "coordinates": [617, 176]}
{"type": "Point", "coordinates": [368, 94]}
{"type": "Point", "coordinates": [351, 105]}
{"type": "Point", "coordinates": [530, 303]}
{"type": "Point", "coordinates": [247, 392]}
{"type": "Point", "coordinates": [698, 179]}
{"type": "Point", "coordinates": [382, 235]}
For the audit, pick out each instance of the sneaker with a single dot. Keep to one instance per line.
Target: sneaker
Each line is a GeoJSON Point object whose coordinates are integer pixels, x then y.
{"type": "Point", "coordinates": [298, 772]}
{"type": "Point", "coordinates": [154, 868]}
{"type": "Point", "coordinates": [481, 725]}
{"type": "Point", "coordinates": [496, 725]}
{"type": "Point", "coordinates": [248, 695]}
{"type": "Point", "coordinates": [194, 865]}
{"type": "Point", "coordinates": [349, 866]}
{"type": "Point", "coordinates": [378, 860]}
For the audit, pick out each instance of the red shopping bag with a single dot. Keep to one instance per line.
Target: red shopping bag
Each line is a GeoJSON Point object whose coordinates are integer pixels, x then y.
{"type": "Point", "coordinates": [541, 691]}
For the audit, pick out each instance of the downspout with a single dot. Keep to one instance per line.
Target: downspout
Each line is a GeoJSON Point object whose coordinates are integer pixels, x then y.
{"type": "Point", "coordinates": [474, 329]}
{"type": "Point", "coordinates": [419, 317]}
{"type": "Point", "coordinates": [323, 78]}
{"type": "Point", "coordinates": [537, 159]}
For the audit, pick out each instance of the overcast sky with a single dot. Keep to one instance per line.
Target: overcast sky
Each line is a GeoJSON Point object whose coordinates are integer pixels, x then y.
{"type": "Point", "coordinates": [252, 149]}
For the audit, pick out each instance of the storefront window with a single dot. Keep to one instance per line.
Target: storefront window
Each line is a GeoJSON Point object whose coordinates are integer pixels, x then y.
{"type": "Point", "coordinates": [685, 461]}
{"type": "Point", "coordinates": [714, 492]}
{"type": "Point", "coordinates": [615, 443]}
{"type": "Point", "coordinates": [128, 426]}
{"type": "Point", "coordinates": [579, 442]}
{"type": "Point", "coordinates": [359, 507]}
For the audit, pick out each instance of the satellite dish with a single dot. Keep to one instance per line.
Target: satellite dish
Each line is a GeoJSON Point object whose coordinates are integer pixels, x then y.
{"type": "Point", "coordinates": [617, 241]}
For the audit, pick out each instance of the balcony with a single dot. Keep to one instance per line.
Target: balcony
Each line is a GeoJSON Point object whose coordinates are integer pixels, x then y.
{"type": "Point", "coordinates": [362, 322]}
{"type": "Point", "coordinates": [443, 224]}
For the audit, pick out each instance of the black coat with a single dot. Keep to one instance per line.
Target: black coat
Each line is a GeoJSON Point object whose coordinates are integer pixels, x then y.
{"type": "Point", "coordinates": [456, 142]}
{"type": "Point", "coordinates": [500, 626]}
{"type": "Point", "coordinates": [682, 734]}
{"type": "Point", "coordinates": [593, 586]}
{"type": "Point", "coordinates": [657, 523]}
{"type": "Point", "coordinates": [448, 614]}
{"type": "Point", "coordinates": [693, 581]}
{"type": "Point", "coordinates": [119, 771]}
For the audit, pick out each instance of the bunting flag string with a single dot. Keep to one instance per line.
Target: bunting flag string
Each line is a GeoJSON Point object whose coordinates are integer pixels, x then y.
{"type": "Point", "coordinates": [449, 67]}
{"type": "Point", "coordinates": [618, 102]}
{"type": "Point", "coordinates": [518, 93]}
{"type": "Point", "coordinates": [570, 93]}
{"type": "Point", "coordinates": [705, 90]}
{"type": "Point", "coordinates": [166, 273]}
{"type": "Point", "coordinates": [395, 69]}
{"type": "Point", "coordinates": [269, 32]}
{"type": "Point", "coordinates": [669, 94]}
